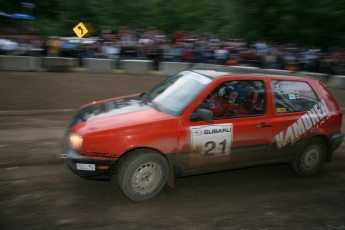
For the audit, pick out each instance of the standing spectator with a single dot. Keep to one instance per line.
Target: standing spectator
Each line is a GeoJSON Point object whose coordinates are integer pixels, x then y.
{"type": "Point", "coordinates": [53, 47]}
{"type": "Point", "coordinates": [8, 47]}
{"type": "Point", "coordinates": [187, 53]}
{"type": "Point", "coordinates": [176, 53]}
{"type": "Point", "coordinates": [221, 55]}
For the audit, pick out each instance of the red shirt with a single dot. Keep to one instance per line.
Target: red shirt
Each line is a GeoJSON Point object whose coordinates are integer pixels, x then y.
{"type": "Point", "coordinates": [222, 108]}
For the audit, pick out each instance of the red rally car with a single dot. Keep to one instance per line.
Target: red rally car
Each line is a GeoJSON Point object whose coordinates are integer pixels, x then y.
{"type": "Point", "coordinates": [204, 120]}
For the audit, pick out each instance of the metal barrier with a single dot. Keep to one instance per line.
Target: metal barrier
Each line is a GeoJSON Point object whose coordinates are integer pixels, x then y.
{"type": "Point", "coordinates": [336, 81]}
{"type": "Point", "coordinates": [19, 63]}
{"type": "Point", "coordinates": [96, 65]}
{"type": "Point", "coordinates": [137, 66]}
{"type": "Point", "coordinates": [59, 64]}
{"type": "Point", "coordinates": [170, 68]}
{"type": "Point", "coordinates": [320, 76]}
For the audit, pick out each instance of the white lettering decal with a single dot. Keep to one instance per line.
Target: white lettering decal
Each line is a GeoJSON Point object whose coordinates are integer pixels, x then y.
{"type": "Point", "coordinates": [298, 128]}
{"type": "Point", "coordinates": [319, 112]}
{"type": "Point", "coordinates": [289, 136]}
{"type": "Point", "coordinates": [307, 122]}
{"type": "Point", "coordinates": [280, 140]}
{"type": "Point", "coordinates": [324, 109]}
{"type": "Point", "coordinates": [314, 117]}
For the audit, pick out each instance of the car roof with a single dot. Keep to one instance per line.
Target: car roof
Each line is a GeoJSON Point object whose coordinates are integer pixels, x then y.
{"type": "Point", "coordinates": [218, 71]}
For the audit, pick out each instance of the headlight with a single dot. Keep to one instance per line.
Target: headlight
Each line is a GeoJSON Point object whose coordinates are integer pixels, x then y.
{"type": "Point", "coordinates": [75, 140]}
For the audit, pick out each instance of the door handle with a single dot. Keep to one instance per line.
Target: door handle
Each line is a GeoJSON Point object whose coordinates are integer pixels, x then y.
{"type": "Point", "coordinates": [265, 125]}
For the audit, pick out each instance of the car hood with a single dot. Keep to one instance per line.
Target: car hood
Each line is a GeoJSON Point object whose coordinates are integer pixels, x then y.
{"type": "Point", "coordinates": [117, 112]}
{"type": "Point", "coordinates": [109, 108]}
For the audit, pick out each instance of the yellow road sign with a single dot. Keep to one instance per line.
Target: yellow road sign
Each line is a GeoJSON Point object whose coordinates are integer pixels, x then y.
{"type": "Point", "coordinates": [80, 30]}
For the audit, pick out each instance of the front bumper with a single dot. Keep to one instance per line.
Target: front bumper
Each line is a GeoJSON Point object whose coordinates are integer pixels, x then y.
{"type": "Point", "coordinates": [88, 166]}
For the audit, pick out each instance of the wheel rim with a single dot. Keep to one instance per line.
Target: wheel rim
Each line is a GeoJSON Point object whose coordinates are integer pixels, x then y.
{"type": "Point", "coordinates": [312, 157]}
{"type": "Point", "coordinates": [147, 177]}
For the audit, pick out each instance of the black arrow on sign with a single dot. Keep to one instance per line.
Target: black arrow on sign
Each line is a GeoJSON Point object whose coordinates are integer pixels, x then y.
{"type": "Point", "coordinates": [80, 28]}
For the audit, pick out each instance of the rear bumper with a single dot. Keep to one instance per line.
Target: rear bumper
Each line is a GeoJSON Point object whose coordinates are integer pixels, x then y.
{"type": "Point", "coordinates": [336, 139]}
{"type": "Point", "coordinates": [88, 166]}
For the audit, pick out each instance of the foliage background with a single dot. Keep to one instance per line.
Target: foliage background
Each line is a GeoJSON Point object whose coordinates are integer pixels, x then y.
{"type": "Point", "coordinates": [306, 22]}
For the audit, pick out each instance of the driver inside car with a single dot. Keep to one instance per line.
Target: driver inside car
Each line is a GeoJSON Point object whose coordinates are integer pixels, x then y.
{"type": "Point", "coordinates": [230, 104]}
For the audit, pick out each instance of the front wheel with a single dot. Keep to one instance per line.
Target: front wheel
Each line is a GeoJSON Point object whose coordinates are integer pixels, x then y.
{"type": "Point", "coordinates": [310, 158]}
{"type": "Point", "coordinates": [142, 174]}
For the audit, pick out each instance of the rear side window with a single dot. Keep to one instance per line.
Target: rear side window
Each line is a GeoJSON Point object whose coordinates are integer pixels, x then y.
{"type": "Point", "coordinates": [293, 96]}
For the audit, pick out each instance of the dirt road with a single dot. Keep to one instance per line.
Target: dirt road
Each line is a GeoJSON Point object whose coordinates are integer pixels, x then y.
{"type": "Point", "coordinates": [39, 192]}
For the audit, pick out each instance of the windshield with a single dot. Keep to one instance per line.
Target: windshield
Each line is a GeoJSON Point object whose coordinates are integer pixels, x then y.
{"type": "Point", "coordinates": [173, 95]}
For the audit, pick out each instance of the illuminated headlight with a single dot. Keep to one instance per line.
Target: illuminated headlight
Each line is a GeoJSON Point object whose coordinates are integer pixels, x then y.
{"type": "Point", "coordinates": [75, 140]}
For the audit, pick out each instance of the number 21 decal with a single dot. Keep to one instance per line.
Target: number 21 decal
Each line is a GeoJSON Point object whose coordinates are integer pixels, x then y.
{"type": "Point", "coordinates": [213, 145]}
{"type": "Point", "coordinates": [211, 140]}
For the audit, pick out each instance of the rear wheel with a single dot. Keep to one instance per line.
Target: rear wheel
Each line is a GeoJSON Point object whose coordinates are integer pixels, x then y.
{"type": "Point", "coordinates": [142, 174]}
{"type": "Point", "coordinates": [310, 158]}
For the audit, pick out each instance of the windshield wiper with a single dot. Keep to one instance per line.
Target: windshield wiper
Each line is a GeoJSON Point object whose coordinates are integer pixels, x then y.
{"type": "Point", "coordinates": [145, 97]}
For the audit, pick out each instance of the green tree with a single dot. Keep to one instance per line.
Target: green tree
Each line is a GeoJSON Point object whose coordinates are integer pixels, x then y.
{"type": "Point", "coordinates": [311, 23]}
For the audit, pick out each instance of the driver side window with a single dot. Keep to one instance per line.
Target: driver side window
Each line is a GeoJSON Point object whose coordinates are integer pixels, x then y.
{"type": "Point", "coordinates": [236, 99]}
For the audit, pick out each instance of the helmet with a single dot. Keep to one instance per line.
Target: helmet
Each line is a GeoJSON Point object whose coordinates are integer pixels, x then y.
{"type": "Point", "coordinates": [239, 89]}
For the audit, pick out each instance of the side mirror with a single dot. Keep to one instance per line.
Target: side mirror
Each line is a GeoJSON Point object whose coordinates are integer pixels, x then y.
{"type": "Point", "coordinates": [201, 115]}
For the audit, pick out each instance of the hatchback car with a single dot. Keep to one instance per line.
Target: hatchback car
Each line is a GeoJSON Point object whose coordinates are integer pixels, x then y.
{"type": "Point", "coordinates": [202, 120]}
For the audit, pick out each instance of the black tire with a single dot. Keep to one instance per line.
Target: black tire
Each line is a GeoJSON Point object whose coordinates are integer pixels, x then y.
{"type": "Point", "coordinates": [142, 174]}
{"type": "Point", "coordinates": [310, 158]}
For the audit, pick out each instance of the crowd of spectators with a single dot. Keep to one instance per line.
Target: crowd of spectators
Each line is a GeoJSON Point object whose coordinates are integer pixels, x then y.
{"type": "Point", "coordinates": [154, 45]}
